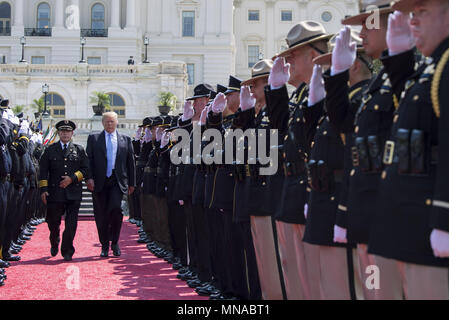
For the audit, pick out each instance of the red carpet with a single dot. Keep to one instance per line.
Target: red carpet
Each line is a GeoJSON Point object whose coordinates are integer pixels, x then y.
{"type": "Point", "coordinates": [135, 275]}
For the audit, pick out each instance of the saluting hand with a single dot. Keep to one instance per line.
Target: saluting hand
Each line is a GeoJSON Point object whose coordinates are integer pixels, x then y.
{"type": "Point", "coordinates": [344, 52]}
{"type": "Point", "coordinates": [165, 139]}
{"type": "Point", "coordinates": [399, 35]}
{"type": "Point", "coordinates": [204, 114]}
{"type": "Point", "coordinates": [65, 182]}
{"type": "Point", "coordinates": [44, 197]}
{"type": "Point", "coordinates": [219, 103]}
{"type": "Point", "coordinates": [188, 111]}
{"type": "Point", "coordinates": [279, 74]}
{"type": "Point", "coordinates": [317, 91]}
{"type": "Point", "coordinates": [247, 100]}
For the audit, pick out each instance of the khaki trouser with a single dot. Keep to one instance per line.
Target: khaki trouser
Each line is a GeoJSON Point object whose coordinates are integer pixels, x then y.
{"type": "Point", "coordinates": [334, 278]}
{"type": "Point", "coordinates": [390, 280]}
{"type": "Point", "coordinates": [164, 231]}
{"type": "Point", "coordinates": [148, 208]}
{"type": "Point", "coordinates": [264, 246]}
{"type": "Point", "coordinates": [424, 282]}
{"type": "Point", "coordinates": [293, 260]}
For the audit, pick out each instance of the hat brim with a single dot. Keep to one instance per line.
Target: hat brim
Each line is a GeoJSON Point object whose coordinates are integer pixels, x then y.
{"type": "Point", "coordinates": [326, 59]}
{"type": "Point", "coordinates": [403, 5]}
{"type": "Point", "coordinates": [197, 97]}
{"type": "Point", "coordinates": [359, 19]}
{"type": "Point", "coordinates": [253, 79]}
{"type": "Point", "coordinates": [65, 128]}
{"type": "Point", "coordinates": [302, 44]}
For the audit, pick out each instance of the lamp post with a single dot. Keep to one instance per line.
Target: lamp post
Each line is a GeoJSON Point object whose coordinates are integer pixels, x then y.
{"type": "Point", "coordinates": [45, 89]}
{"type": "Point", "coordinates": [23, 42]}
{"type": "Point", "coordinates": [146, 41]}
{"type": "Point", "coordinates": [83, 42]}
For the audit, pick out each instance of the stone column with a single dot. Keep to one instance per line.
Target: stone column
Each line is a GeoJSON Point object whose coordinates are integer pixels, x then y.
{"type": "Point", "coordinates": [115, 14]}
{"type": "Point", "coordinates": [130, 14]}
{"type": "Point", "coordinates": [17, 26]}
{"type": "Point", "coordinates": [59, 14]}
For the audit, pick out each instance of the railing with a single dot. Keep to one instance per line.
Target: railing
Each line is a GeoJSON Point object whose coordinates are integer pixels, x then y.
{"type": "Point", "coordinates": [100, 33]}
{"type": "Point", "coordinates": [104, 69]}
{"type": "Point", "coordinates": [38, 32]}
{"type": "Point", "coordinates": [123, 124]}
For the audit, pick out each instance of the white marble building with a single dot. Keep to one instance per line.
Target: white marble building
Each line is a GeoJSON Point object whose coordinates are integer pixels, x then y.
{"type": "Point", "coordinates": [189, 42]}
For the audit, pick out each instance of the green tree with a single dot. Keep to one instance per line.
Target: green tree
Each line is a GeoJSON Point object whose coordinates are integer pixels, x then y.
{"type": "Point", "coordinates": [18, 108]}
{"type": "Point", "coordinates": [101, 99]}
{"type": "Point", "coordinates": [38, 105]}
{"type": "Point", "coordinates": [167, 99]}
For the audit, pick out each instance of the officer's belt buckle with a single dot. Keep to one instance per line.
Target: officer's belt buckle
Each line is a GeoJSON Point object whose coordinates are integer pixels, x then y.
{"type": "Point", "coordinates": [355, 156]}
{"type": "Point", "coordinates": [389, 152]}
{"type": "Point", "coordinates": [247, 170]}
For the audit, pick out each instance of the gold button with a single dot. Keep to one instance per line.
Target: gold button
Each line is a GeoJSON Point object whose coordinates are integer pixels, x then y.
{"type": "Point", "coordinates": [65, 159]}
{"type": "Point", "coordinates": [332, 198]}
{"type": "Point", "coordinates": [415, 98]}
{"type": "Point", "coordinates": [384, 175]}
{"type": "Point", "coordinates": [283, 155]}
{"type": "Point", "coordinates": [356, 130]}
{"type": "Point", "coordinates": [428, 202]}
{"type": "Point", "coordinates": [65, 166]}
{"type": "Point", "coordinates": [313, 143]}
{"type": "Point", "coordinates": [324, 133]}
{"type": "Point", "coordinates": [285, 138]}
{"type": "Point", "coordinates": [352, 172]}
{"type": "Point", "coordinates": [65, 173]}
{"type": "Point", "coordinates": [264, 183]}
{"type": "Point", "coordinates": [298, 119]}
{"type": "Point", "coordinates": [301, 182]}
{"type": "Point", "coordinates": [376, 107]}
{"type": "Point", "coordinates": [396, 118]}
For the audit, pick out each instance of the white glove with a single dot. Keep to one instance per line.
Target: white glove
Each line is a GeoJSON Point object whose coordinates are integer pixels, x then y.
{"type": "Point", "coordinates": [340, 234]}
{"type": "Point", "coordinates": [439, 240]}
{"type": "Point", "coordinates": [148, 135]}
{"type": "Point", "coordinates": [138, 134]}
{"type": "Point", "coordinates": [159, 132]}
{"type": "Point", "coordinates": [306, 210]}
{"type": "Point", "coordinates": [247, 100]}
{"type": "Point", "coordinates": [316, 88]}
{"type": "Point", "coordinates": [344, 52]}
{"type": "Point", "coordinates": [399, 35]}
{"type": "Point", "coordinates": [5, 115]}
{"type": "Point", "coordinates": [15, 120]}
{"type": "Point", "coordinates": [280, 74]}
{"type": "Point", "coordinates": [204, 114]}
{"type": "Point", "coordinates": [40, 138]}
{"type": "Point", "coordinates": [219, 103]}
{"type": "Point", "coordinates": [165, 139]}
{"type": "Point", "coordinates": [181, 202]}
{"type": "Point", "coordinates": [188, 111]}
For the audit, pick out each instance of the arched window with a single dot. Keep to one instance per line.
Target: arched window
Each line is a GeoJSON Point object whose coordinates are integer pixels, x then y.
{"type": "Point", "coordinates": [56, 105]}
{"type": "Point", "coordinates": [98, 16]}
{"type": "Point", "coordinates": [117, 104]}
{"type": "Point", "coordinates": [43, 16]}
{"type": "Point", "coordinates": [5, 19]}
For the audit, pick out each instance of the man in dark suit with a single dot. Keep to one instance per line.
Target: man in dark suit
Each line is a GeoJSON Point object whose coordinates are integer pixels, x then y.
{"type": "Point", "coordinates": [111, 160]}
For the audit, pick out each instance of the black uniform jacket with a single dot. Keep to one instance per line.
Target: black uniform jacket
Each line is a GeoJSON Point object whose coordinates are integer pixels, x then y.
{"type": "Point", "coordinates": [55, 163]}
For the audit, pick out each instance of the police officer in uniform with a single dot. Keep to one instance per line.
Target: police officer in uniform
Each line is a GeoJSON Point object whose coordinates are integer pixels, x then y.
{"type": "Point", "coordinates": [412, 224]}
{"type": "Point", "coordinates": [63, 167]}
{"type": "Point", "coordinates": [371, 123]}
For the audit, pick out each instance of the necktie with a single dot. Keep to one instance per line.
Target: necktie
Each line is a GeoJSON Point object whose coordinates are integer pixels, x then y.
{"type": "Point", "coordinates": [109, 156]}
{"type": "Point", "coordinates": [65, 147]}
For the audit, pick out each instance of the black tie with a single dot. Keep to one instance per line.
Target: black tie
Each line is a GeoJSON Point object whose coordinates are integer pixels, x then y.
{"type": "Point", "coordinates": [65, 147]}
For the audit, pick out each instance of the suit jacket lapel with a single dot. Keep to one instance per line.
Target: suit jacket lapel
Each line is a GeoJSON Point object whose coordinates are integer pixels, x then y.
{"type": "Point", "coordinates": [102, 141]}
{"type": "Point", "coordinates": [120, 146]}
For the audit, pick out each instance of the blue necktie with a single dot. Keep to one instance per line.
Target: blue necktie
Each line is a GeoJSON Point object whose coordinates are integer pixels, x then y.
{"type": "Point", "coordinates": [109, 156]}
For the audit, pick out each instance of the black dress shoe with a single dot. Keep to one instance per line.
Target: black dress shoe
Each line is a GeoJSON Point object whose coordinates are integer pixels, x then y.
{"type": "Point", "coordinates": [20, 242]}
{"type": "Point", "coordinates": [116, 250]}
{"type": "Point", "coordinates": [4, 264]}
{"type": "Point", "coordinates": [54, 251]}
{"type": "Point", "coordinates": [104, 252]}
{"type": "Point", "coordinates": [22, 237]}
{"type": "Point", "coordinates": [14, 251]}
{"type": "Point", "coordinates": [142, 240]}
{"type": "Point", "coordinates": [176, 266]}
{"type": "Point", "coordinates": [68, 257]}
{"type": "Point", "coordinates": [194, 283]}
{"type": "Point", "coordinates": [12, 258]}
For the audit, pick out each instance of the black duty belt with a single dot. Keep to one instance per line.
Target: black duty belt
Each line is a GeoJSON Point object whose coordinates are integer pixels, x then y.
{"type": "Point", "coordinates": [150, 170]}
